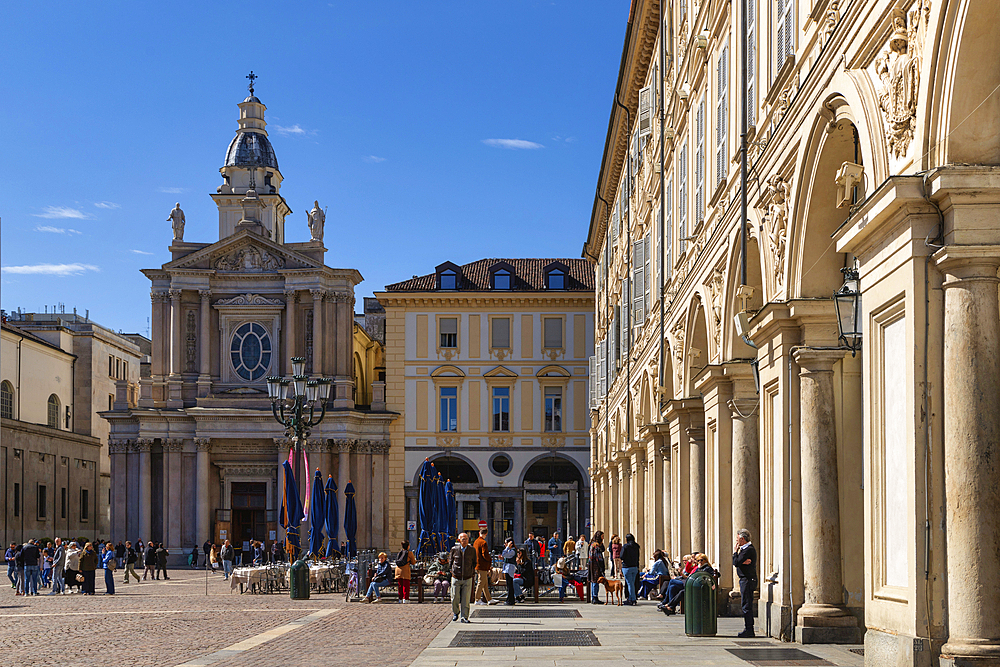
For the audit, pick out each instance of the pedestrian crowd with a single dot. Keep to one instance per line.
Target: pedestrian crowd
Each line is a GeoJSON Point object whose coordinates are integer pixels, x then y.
{"type": "Point", "coordinates": [62, 566]}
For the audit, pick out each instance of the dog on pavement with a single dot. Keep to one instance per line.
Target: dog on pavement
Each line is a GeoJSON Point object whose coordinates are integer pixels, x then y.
{"type": "Point", "coordinates": [612, 588]}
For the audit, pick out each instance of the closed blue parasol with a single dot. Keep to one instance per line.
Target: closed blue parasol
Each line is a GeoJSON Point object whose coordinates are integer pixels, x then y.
{"type": "Point", "coordinates": [332, 516]}
{"type": "Point", "coordinates": [291, 513]}
{"type": "Point", "coordinates": [440, 512]}
{"type": "Point", "coordinates": [350, 520]}
{"type": "Point", "coordinates": [317, 516]}
{"type": "Point", "coordinates": [449, 492]}
{"type": "Point", "coordinates": [425, 510]}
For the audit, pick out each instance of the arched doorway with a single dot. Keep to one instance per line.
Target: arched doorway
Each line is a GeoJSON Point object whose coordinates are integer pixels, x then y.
{"type": "Point", "coordinates": [552, 497]}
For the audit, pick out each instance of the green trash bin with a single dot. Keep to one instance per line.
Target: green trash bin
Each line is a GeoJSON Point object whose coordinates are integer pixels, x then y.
{"type": "Point", "coordinates": [700, 617]}
{"type": "Point", "coordinates": [298, 584]}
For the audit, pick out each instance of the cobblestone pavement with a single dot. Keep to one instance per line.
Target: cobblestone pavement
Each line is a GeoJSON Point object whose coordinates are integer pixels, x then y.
{"type": "Point", "coordinates": [170, 622]}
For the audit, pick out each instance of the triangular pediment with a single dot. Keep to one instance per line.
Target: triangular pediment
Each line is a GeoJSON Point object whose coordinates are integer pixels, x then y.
{"type": "Point", "coordinates": [244, 252]}
{"type": "Point", "coordinates": [500, 372]}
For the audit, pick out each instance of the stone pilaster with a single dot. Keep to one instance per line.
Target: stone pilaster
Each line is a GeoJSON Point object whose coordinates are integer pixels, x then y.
{"type": "Point", "coordinates": [205, 344]}
{"type": "Point", "coordinates": [972, 452]}
{"type": "Point", "coordinates": [176, 348]}
{"type": "Point", "coordinates": [746, 469]}
{"type": "Point", "coordinates": [118, 451]}
{"type": "Point", "coordinates": [144, 503]}
{"type": "Point", "coordinates": [291, 298]}
{"type": "Point", "coordinates": [696, 485]}
{"type": "Point", "coordinates": [203, 511]}
{"type": "Point", "coordinates": [172, 487]}
{"type": "Point", "coordinates": [317, 347]}
{"type": "Point", "coordinates": [823, 618]}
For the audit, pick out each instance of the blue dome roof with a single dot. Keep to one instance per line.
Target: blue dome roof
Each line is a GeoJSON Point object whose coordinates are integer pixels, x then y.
{"type": "Point", "coordinates": [251, 148]}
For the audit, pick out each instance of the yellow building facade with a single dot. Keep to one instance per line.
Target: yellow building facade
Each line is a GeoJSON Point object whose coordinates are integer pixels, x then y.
{"type": "Point", "coordinates": [727, 397]}
{"type": "Point", "coordinates": [487, 363]}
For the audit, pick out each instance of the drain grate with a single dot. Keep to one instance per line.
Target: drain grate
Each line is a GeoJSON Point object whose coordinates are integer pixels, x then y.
{"type": "Point", "coordinates": [751, 643]}
{"type": "Point", "coordinates": [518, 638]}
{"type": "Point", "coordinates": [525, 613]}
{"type": "Point", "coordinates": [859, 651]}
{"type": "Point", "coordinates": [778, 657]}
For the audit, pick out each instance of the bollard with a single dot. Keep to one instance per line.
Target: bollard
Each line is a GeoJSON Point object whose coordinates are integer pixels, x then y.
{"type": "Point", "coordinates": [298, 584]}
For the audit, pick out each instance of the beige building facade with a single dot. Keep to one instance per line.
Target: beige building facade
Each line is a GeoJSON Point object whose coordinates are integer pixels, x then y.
{"type": "Point", "coordinates": [868, 480]}
{"type": "Point", "coordinates": [199, 457]}
{"type": "Point", "coordinates": [50, 483]}
{"type": "Point", "coordinates": [487, 363]}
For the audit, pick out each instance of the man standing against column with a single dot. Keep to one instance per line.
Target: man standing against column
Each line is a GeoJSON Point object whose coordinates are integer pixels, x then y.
{"type": "Point", "coordinates": [745, 562]}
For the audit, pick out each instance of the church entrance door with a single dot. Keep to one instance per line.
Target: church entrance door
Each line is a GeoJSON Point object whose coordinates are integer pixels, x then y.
{"type": "Point", "coordinates": [249, 503]}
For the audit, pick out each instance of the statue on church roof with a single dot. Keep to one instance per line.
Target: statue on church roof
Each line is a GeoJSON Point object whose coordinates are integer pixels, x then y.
{"type": "Point", "coordinates": [176, 219]}
{"type": "Point", "coordinates": [317, 218]}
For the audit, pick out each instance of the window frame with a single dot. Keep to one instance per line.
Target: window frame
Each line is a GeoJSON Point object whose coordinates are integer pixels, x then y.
{"type": "Point", "coordinates": [57, 404]}
{"type": "Point", "coordinates": [494, 415]}
{"type": "Point", "coordinates": [84, 505]}
{"type": "Point", "coordinates": [42, 501]}
{"type": "Point", "coordinates": [562, 334]}
{"type": "Point", "coordinates": [6, 400]}
{"type": "Point", "coordinates": [501, 351]}
{"type": "Point", "coordinates": [553, 423]}
{"type": "Point", "coordinates": [440, 334]}
{"type": "Point", "coordinates": [441, 389]}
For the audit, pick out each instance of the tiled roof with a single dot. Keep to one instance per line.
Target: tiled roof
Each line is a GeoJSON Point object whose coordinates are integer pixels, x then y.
{"type": "Point", "coordinates": [529, 276]}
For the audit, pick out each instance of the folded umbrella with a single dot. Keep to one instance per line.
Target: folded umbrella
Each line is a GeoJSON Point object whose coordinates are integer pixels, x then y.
{"type": "Point", "coordinates": [449, 492]}
{"type": "Point", "coordinates": [332, 518]}
{"type": "Point", "coordinates": [350, 520]}
{"type": "Point", "coordinates": [425, 509]}
{"type": "Point", "coordinates": [317, 516]}
{"type": "Point", "coordinates": [291, 513]}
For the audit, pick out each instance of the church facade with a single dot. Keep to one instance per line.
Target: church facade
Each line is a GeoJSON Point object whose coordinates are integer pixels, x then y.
{"type": "Point", "coordinates": [199, 458]}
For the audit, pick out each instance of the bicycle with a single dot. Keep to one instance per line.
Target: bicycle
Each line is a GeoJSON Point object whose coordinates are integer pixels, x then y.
{"type": "Point", "coordinates": [353, 581]}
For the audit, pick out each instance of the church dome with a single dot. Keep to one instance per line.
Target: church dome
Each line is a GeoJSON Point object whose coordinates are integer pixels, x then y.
{"type": "Point", "coordinates": [251, 148]}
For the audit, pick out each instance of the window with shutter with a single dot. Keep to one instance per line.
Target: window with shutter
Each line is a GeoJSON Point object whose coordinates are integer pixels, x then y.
{"type": "Point", "coordinates": [658, 250]}
{"type": "Point", "coordinates": [647, 251]}
{"type": "Point", "coordinates": [593, 383]}
{"type": "Point", "coordinates": [638, 291]}
{"type": "Point", "coordinates": [668, 229]}
{"type": "Point", "coordinates": [625, 304]}
{"type": "Point", "coordinates": [500, 333]}
{"type": "Point", "coordinates": [602, 363]}
{"type": "Point", "coordinates": [553, 329]}
{"type": "Point", "coordinates": [682, 198]}
{"type": "Point", "coordinates": [645, 111]}
{"type": "Point", "coordinates": [614, 225]}
{"type": "Point", "coordinates": [699, 164]}
{"type": "Point", "coordinates": [751, 55]}
{"type": "Point", "coordinates": [635, 163]}
{"type": "Point", "coordinates": [722, 115]}
{"type": "Point", "coordinates": [785, 42]}
{"type": "Point", "coordinates": [449, 331]}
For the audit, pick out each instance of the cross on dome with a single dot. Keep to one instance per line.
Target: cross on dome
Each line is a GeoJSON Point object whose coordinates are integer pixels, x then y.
{"type": "Point", "coordinates": [252, 77]}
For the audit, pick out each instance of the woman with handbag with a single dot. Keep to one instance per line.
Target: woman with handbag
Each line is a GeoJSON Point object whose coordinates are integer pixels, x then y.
{"type": "Point", "coordinates": [88, 564]}
{"type": "Point", "coordinates": [71, 575]}
{"type": "Point", "coordinates": [404, 559]}
{"type": "Point", "coordinates": [382, 577]}
{"type": "Point", "coordinates": [596, 566]}
{"type": "Point", "coordinates": [110, 560]}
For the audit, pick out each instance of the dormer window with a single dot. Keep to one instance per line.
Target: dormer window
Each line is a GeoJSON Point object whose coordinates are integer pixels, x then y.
{"type": "Point", "coordinates": [555, 279]}
{"type": "Point", "coordinates": [501, 279]}
{"type": "Point", "coordinates": [448, 280]}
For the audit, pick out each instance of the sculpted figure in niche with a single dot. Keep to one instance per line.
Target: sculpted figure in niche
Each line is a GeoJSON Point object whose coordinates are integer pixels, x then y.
{"type": "Point", "coordinates": [176, 220]}
{"type": "Point", "coordinates": [317, 218]}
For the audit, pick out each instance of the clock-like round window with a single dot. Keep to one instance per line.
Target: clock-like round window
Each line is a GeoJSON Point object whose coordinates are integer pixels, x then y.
{"type": "Point", "coordinates": [250, 351]}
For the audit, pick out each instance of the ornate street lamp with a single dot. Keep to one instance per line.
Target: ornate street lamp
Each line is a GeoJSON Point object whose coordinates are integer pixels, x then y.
{"type": "Point", "coordinates": [294, 402]}
{"type": "Point", "coordinates": [848, 302]}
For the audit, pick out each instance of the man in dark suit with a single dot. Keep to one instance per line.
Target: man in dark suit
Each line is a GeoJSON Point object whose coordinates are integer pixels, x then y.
{"type": "Point", "coordinates": [745, 562]}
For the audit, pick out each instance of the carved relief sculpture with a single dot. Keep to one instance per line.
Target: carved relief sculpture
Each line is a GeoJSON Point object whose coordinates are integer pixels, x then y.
{"type": "Point", "coordinates": [176, 219]}
{"type": "Point", "coordinates": [309, 339]}
{"type": "Point", "coordinates": [775, 223]}
{"type": "Point", "coordinates": [249, 300]}
{"type": "Point", "coordinates": [898, 69]}
{"type": "Point", "coordinates": [249, 259]}
{"type": "Point", "coordinates": [190, 347]}
{"type": "Point", "coordinates": [678, 336]}
{"type": "Point", "coordinates": [715, 287]}
{"type": "Point", "coordinates": [316, 220]}
{"type": "Point", "coordinates": [831, 20]}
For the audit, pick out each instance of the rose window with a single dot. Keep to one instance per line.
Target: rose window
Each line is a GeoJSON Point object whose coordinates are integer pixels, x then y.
{"type": "Point", "coordinates": [250, 351]}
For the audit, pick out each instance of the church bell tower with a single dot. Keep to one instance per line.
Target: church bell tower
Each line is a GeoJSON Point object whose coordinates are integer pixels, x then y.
{"type": "Point", "coordinates": [250, 195]}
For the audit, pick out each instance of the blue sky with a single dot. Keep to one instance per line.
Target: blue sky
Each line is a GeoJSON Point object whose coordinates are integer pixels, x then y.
{"type": "Point", "coordinates": [400, 117]}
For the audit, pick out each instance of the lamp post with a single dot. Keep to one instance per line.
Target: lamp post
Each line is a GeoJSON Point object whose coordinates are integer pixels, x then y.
{"type": "Point", "coordinates": [293, 403]}
{"type": "Point", "coordinates": [848, 302]}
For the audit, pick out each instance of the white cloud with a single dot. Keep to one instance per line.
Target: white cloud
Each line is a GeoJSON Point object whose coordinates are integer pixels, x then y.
{"type": "Point", "coordinates": [107, 204]}
{"type": "Point", "coordinates": [56, 230]}
{"type": "Point", "coordinates": [61, 270]}
{"type": "Point", "coordinates": [172, 191]}
{"type": "Point", "coordinates": [373, 158]}
{"type": "Point", "coordinates": [516, 144]}
{"type": "Point", "coordinates": [61, 212]}
{"type": "Point", "coordinates": [141, 252]}
{"type": "Point", "coordinates": [294, 129]}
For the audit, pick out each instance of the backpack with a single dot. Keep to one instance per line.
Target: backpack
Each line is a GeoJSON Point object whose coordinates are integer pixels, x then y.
{"type": "Point", "coordinates": [403, 559]}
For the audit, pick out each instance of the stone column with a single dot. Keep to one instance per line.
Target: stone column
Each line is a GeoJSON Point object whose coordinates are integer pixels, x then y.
{"type": "Point", "coordinates": [173, 509]}
{"type": "Point", "coordinates": [696, 486]}
{"type": "Point", "coordinates": [145, 500]}
{"type": "Point", "coordinates": [625, 499]}
{"type": "Point", "coordinates": [343, 396]}
{"type": "Point", "coordinates": [203, 510]}
{"type": "Point", "coordinates": [119, 494]}
{"type": "Point", "coordinates": [205, 345]}
{"type": "Point", "coordinates": [638, 493]}
{"type": "Point", "coordinates": [317, 360]}
{"type": "Point", "coordinates": [519, 535]}
{"type": "Point", "coordinates": [159, 361]}
{"type": "Point", "coordinates": [746, 470]}
{"type": "Point", "coordinates": [343, 476]}
{"type": "Point", "coordinates": [291, 298]}
{"type": "Point", "coordinates": [380, 451]}
{"type": "Point", "coordinates": [667, 501]}
{"type": "Point", "coordinates": [559, 519]}
{"type": "Point", "coordinates": [176, 331]}
{"type": "Point", "coordinates": [823, 618]}
{"type": "Point", "coordinates": [972, 452]}
{"type": "Point", "coordinates": [414, 535]}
